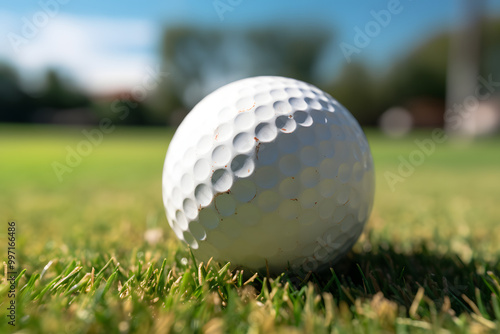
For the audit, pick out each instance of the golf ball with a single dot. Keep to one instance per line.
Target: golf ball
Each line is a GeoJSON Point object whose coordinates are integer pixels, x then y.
{"type": "Point", "coordinates": [269, 172]}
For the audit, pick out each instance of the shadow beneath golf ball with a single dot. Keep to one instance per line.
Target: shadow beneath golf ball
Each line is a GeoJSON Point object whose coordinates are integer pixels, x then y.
{"type": "Point", "coordinates": [399, 275]}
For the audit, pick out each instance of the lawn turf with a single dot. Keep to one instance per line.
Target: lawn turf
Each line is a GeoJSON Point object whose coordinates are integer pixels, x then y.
{"type": "Point", "coordinates": [99, 256]}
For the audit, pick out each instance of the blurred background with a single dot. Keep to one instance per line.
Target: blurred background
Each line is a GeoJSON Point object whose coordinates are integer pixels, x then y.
{"type": "Point", "coordinates": [91, 92]}
{"type": "Point", "coordinates": [393, 64]}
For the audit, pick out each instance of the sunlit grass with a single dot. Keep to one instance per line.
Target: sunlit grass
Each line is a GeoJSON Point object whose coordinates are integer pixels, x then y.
{"type": "Point", "coordinates": [428, 260]}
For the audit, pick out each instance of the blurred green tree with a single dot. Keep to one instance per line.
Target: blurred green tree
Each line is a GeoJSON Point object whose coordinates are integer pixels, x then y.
{"type": "Point", "coordinates": [123, 109]}
{"type": "Point", "coordinates": [288, 52]}
{"type": "Point", "coordinates": [355, 89]}
{"type": "Point", "coordinates": [15, 104]}
{"type": "Point", "coordinates": [199, 61]}
{"type": "Point", "coordinates": [421, 73]}
{"type": "Point", "coordinates": [58, 94]}
{"type": "Point", "coordinates": [490, 48]}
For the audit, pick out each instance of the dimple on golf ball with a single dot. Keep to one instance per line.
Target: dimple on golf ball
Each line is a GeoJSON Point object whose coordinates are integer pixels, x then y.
{"type": "Point", "coordinates": [269, 172]}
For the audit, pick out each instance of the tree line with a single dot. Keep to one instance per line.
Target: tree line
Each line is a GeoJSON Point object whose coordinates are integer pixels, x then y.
{"type": "Point", "coordinates": [196, 61]}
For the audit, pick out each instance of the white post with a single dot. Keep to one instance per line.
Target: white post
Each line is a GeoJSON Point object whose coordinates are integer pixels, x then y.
{"type": "Point", "coordinates": [463, 68]}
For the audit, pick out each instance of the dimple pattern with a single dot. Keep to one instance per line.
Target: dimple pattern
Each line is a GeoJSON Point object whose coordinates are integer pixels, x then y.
{"type": "Point", "coordinates": [269, 169]}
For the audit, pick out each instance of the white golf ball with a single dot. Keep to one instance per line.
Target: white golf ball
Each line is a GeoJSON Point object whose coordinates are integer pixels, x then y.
{"type": "Point", "coordinates": [269, 171]}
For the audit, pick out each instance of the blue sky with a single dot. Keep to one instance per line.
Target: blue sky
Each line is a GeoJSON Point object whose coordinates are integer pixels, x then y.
{"type": "Point", "coordinates": [104, 45]}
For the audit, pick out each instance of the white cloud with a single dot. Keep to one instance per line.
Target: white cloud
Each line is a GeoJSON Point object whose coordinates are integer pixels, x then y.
{"type": "Point", "coordinates": [100, 54]}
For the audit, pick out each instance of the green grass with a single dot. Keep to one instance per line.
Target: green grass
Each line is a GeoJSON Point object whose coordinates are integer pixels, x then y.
{"type": "Point", "coordinates": [428, 260]}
